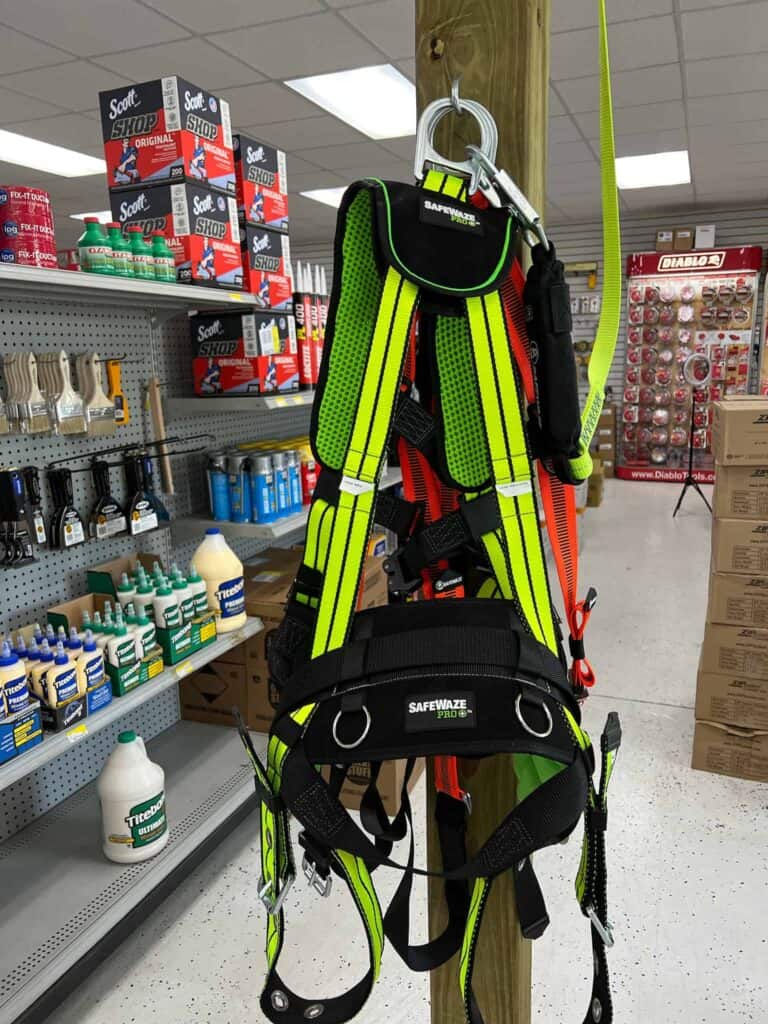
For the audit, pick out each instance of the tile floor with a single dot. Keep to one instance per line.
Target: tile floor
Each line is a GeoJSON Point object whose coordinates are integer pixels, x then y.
{"type": "Point", "coordinates": [688, 851]}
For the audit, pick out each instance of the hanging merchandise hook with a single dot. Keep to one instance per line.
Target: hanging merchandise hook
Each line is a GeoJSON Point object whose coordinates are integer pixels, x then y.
{"type": "Point", "coordinates": [134, 446]}
{"type": "Point", "coordinates": [499, 188]}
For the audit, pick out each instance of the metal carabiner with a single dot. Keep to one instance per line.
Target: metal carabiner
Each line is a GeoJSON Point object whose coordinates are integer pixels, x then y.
{"type": "Point", "coordinates": [499, 186]}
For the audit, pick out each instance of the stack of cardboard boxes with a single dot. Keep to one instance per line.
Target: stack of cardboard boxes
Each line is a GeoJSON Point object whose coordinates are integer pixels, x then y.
{"type": "Point", "coordinates": [731, 735]}
{"type": "Point", "coordinates": [603, 455]}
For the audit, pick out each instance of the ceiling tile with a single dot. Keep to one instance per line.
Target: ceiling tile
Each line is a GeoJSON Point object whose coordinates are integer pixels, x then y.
{"type": "Point", "coordinates": [75, 85]}
{"type": "Point", "coordinates": [193, 59]}
{"type": "Point", "coordinates": [69, 130]}
{"type": "Point", "coordinates": [311, 45]}
{"type": "Point", "coordinates": [560, 173]}
{"type": "Point", "coordinates": [570, 153]}
{"type": "Point", "coordinates": [633, 120]}
{"type": "Point", "coordinates": [203, 16]}
{"type": "Point", "coordinates": [298, 166]}
{"type": "Point", "coordinates": [20, 53]}
{"type": "Point", "coordinates": [651, 142]}
{"type": "Point", "coordinates": [587, 185]}
{"type": "Point", "coordinates": [408, 67]}
{"type": "Point", "coordinates": [742, 153]}
{"type": "Point", "coordinates": [356, 154]}
{"type": "Point", "coordinates": [556, 108]}
{"type": "Point", "coordinates": [658, 198]}
{"type": "Point", "coordinates": [267, 103]}
{"type": "Point", "coordinates": [721, 32]}
{"type": "Point", "coordinates": [630, 88]}
{"type": "Point", "coordinates": [726, 110]}
{"type": "Point", "coordinates": [709, 137]}
{"type": "Point", "coordinates": [571, 14]}
{"type": "Point", "coordinates": [311, 179]}
{"type": "Point", "coordinates": [389, 25]}
{"type": "Point", "coordinates": [87, 27]}
{"type": "Point", "coordinates": [349, 3]}
{"type": "Point", "coordinates": [723, 193]}
{"type": "Point", "coordinates": [15, 107]}
{"type": "Point", "coordinates": [719, 76]}
{"type": "Point", "coordinates": [305, 133]}
{"type": "Point", "coordinates": [695, 5]}
{"type": "Point", "coordinates": [404, 149]}
{"type": "Point", "coordinates": [562, 129]}
{"type": "Point", "coordinates": [634, 44]}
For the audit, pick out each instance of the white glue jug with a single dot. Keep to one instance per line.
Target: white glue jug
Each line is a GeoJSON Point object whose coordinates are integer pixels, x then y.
{"type": "Point", "coordinates": [222, 570]}
{"type": "Point", "coordinates": [131, 789]}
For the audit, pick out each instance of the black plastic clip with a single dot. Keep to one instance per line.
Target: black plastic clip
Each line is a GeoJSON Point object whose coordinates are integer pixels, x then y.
{"type": "Point", "coordinates": [400, 584]}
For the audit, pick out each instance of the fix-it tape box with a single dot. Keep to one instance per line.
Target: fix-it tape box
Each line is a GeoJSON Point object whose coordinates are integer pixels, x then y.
{"type": "Point", "coordinates": [261, 180]}
{"type": "Point", "coordinates": [167, 130]}
{"type": "Point", "coordinates": [199, 224]}
{"type": "Point", "coordinates": [266, 266]}
{"type": "Point", "coordinates": [243, 353]}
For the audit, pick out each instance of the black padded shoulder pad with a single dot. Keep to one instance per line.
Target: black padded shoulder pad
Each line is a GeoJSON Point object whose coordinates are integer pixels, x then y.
{"type": "Point", "coordinates": [439, 243]}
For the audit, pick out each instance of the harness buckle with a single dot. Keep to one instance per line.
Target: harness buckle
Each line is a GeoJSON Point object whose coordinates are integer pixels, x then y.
{"type": "Point", "coordinates": [400, 584]}
{"type": "Point", "coordinates": [274, 904]}
{"type": "Point", "coordinates": [315, 865]}
{"type": "Point", "coordinates": [605, 931]}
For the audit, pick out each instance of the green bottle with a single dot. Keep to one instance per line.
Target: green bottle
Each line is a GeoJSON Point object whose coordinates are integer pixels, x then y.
{"type": "Point", "coordinates": [93, 248]}
{"type": "Point", "coordinates": [142, 254]}
{"type": "Point", "coordinates": [162, 257]}
{"type": "Point", "coordinates": [122, 258]}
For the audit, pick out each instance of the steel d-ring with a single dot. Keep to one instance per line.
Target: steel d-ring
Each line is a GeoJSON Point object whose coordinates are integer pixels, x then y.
{"type": "Point", "coordinates": [359, 740]}
{"type": "Point", "coordinates": [522, 721]}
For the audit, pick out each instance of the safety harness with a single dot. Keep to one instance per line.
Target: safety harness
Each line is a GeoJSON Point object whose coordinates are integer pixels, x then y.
{"type": "Point", "coordinates": [438, 347]}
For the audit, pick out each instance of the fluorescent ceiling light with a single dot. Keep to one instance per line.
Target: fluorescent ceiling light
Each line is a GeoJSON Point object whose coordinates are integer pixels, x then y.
{"type": "Point", "coordinates": [328, 196]}
{"type": "Point", "coordinates": [103, 215]}
{"type": "Point", "coordinates": [42, 156]}
{"type": "Point", "coordinates": [379, 101]}
{"type": "Point", "coordinates": [653, 170]}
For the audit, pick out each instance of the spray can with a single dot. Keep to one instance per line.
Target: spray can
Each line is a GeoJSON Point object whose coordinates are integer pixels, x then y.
{"type": "Point", "coordinates": [308, 479]}
{"type": "Point", "coordinates": [238, 467]}
{"type": "Point", "coordinates": [282, 487]}
{"type": "Point", "coordinates": [294, 481]}
{"type": "Point", "coordinates": [264, 499]}
{"type": "Point", "coordinates": [218, 487]}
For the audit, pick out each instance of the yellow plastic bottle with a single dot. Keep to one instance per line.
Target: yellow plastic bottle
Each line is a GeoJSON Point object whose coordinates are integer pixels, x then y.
{"type": "Point", "coordinates": [222, 570]}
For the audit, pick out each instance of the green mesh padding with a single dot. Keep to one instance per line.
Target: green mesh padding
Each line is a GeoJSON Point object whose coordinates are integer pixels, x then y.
{"type": "Point", "coordinates": [533, 771]}
{"type": "Point", "coordinates": [466, 449]}
{"type": "Point", "coordinates": [360, 294]}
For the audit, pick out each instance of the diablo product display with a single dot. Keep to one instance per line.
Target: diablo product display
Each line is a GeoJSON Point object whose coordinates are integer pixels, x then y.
{"type": "Point", "coordinates": [679, 305]}
{"type": "Point", "coordinates": [199, 224]}
{"type": "Point", "coordinates": [26, 227]}
{"type": "Point", "coordinates": [166, 130]}
{"type": "Point", "coordinates": [243, 353]}
{"type": "Point", "coordinates": [262, 189]}
{"type": "Point", "coordinates": [464, 669]}
{"type": "Point", "coordinates": [267, 267]}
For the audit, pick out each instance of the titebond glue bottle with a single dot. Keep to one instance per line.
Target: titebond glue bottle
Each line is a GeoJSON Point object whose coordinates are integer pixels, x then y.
{"type": "Point", "coordinates": [131, 789]}
{"type": "Point", "coordinates": [14, 694]}
{"type": "Point", "coordinates": [222, 571]}
{"type": "Point", "coordinates": [199, 591]}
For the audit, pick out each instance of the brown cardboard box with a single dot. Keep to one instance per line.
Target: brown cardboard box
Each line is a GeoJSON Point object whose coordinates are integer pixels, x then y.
{"type": "Point", "coordinates": [596, 485]}
{"type": "Point", "coordinates": [665, 240]}
{"type": "Point", "coordinates": [740, 431]}
{"type": "Point", "coordinates": [683, 239]}
{"type": "Point", "coordinates": [210, 694]}
{"type": "Point", "coordinates": [734, 699]}
{"type": "Point", "coordinates": [741, 492]}
{"type": "Point", "coordinates": [390, 784]}
{"type": "Point", "coordinates": [609, 467]}
{"type": "Point", "coordinates": [738, 600]}
{"type": "Point", "coordinates": [735, 650]}
{"type": "Point", "coordinates": [740, 546]}
{"type": "Point", "coordinates": [729, 750]}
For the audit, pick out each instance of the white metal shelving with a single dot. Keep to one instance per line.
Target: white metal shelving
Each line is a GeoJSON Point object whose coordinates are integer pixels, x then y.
{"type": "Point", "coordinates": [65, 906]}
{"type": "Point", "coordinates": [195, 526]}
{"type": "Point", "coordinates": [55, 744]}
{"type": "Point", "coordinates": [178, 407]}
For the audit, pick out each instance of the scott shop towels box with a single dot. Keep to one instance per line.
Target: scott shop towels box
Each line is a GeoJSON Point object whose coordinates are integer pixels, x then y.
{"type": "Point", "coordinates": [266, 265]}
{"type": "Point", "coordinates": [199, 224]}
{"type": "Point", "coordinates": [262, 188]}
{"type": "Point", "coordinates": [244, 353]}
{"type": "Point", "coordinates": [167, 130]}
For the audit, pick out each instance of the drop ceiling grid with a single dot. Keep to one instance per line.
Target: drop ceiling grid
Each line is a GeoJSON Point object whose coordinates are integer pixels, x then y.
{"type": "Point", "coordinates": [673, 62]}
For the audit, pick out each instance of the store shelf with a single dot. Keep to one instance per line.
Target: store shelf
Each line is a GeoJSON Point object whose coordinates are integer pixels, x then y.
{"type": "Point", "coordinates": [77, 286]}
{"type": "Point", "coordinates": [193, 527]}
{"type": "Point", "coordinates": [178, 407]}
{"type": "Point", "coordinates": [65, 907]}
{"type": "Point", "coordinates": [56, 743]}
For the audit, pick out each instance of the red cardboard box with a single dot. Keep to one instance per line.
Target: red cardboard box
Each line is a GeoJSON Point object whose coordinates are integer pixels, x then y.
{"type": "Point", "coordinates": [200, 226]}
{"type": "Point", "coordinates": [167, 130]}
{"type": "Point", "coordinates": [262, 189]}
{"type": "Point", "coordinates": [243, 353]}
{"type": "Point", "coordinates": [266, 266]}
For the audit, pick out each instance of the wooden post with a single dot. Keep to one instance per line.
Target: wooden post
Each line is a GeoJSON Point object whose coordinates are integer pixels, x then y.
{"type": "Point", "coordinates": [500, 50]}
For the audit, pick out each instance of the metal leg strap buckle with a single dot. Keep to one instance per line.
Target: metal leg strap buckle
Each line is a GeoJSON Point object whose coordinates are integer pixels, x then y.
{"type": "Point", "coordinates": [274, 902]}
{"type": "Point", "coordinates": [605, 931]}
{"type": "Point", "coordinates": [319, 881]}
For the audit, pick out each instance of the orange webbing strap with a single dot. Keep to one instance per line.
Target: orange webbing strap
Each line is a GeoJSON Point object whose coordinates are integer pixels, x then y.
{"type": "Point", "coordinates": [558, 499]}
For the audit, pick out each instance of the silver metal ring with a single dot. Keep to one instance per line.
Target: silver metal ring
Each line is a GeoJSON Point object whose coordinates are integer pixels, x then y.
{"type": "Point", "coordinates": [366, 730]}
{"type": "Point", "coordinates": [522, 721]}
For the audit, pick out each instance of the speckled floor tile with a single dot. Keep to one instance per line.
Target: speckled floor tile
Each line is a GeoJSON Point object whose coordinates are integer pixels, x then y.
{"type": "Point", "coordinates": [688, 851]}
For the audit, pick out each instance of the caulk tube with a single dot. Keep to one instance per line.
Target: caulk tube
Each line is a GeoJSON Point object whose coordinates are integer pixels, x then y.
{"type": "Point", "coordinates": [302, 312]}
{"type": "Point", "coordinates": [318, 328]}
{"type": "Point", "coordinates": [314, 321]}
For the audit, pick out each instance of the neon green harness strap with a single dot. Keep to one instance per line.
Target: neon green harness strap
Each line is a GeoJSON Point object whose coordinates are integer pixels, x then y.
{"type": "Point", "coordinates": [610, 315]}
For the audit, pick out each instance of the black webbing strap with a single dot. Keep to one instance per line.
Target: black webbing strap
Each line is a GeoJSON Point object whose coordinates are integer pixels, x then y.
{"type": "Point", "coordinates": [592, 883]}
{"type": "Point", "coordinates": [391, 512]}
{"type": "Point", "coordinates": [373, 816]}
{"type": "Point", "coordinates": [531, 908]}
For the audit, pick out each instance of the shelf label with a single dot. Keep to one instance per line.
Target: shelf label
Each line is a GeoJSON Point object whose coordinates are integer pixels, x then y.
{"type": "Point", "coordinates": [78, 733]}
{"type": "Point", "coordinates": [184, 669]}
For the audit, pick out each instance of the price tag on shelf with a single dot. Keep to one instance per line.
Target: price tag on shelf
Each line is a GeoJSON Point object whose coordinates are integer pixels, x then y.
{"type": "Point", "coordinates": [280, 402]}
{"type": "Point", "coordinates": [184, 669]}
{"type": "Point", "coordinates": [79, 732]}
